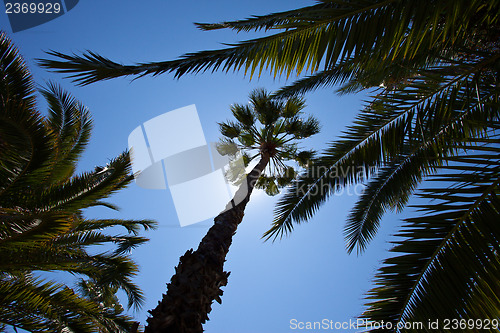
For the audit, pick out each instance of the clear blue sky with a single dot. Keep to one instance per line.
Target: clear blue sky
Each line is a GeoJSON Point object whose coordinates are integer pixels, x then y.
{"type": "Point", "coordinates": [307, 276]}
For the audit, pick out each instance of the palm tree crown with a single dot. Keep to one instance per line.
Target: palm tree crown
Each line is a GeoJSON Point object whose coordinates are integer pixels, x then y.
{"type": "Point", "coordinates": [42, 225]}
{"type": "Point", "coordinates": [272, 128]}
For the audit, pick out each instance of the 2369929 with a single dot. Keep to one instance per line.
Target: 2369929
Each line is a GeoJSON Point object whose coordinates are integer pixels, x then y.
{"type": "Point", "coordinates": [473, 324]}
{"type": "Point", "coordinates": [32, 8]}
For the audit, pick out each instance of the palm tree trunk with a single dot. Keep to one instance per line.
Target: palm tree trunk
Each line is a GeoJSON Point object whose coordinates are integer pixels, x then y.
{"type": "Point", "coordinates": [200, 274]}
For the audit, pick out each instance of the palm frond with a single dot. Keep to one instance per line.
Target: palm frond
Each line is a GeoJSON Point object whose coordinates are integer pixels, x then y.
{"type": "Point", "coordinates": [352, 76]}
{"type": "Point", "coordinates": [47, 307]}
{"type": "Point", "coordinates": [24, 149]}
{"type": "Point", "coordinates": [16, 83]}
{"type": "Point", "coordinates": [132, 226]}
{"type": "Point", "coordinates": [229, 129]}
{"type": "Point", "coordinates": [42, 227]}
{"type": "Point", "coordinates": [70, 125]}
{"type": "Point", "coordinates": [382, 30]}
{"type": "Point", "coordinates": [271, 21]}
{"type": "Point", "coordinates": [447, 259]}
{"type": "Point", "coordinates": [243, 115]}
{"type": "Point", "coordinates": [434, 109]}
{"type": "Point", "coordinates": [25, 228]}
{"type": "Point", "coordinates": [389, 189]}
{"type": "Point", "coordinates": [319, 79]}
{"type": "Point", "coordinates": [88, 189]}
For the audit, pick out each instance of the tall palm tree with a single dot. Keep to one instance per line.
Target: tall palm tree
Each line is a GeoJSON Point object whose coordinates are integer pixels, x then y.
{"type": "Point", "coordinates": [433, 68]}
{"type": "Point", "coordinates": [266, 131]}
{"type": "Point", "coordinates": [42, 225]}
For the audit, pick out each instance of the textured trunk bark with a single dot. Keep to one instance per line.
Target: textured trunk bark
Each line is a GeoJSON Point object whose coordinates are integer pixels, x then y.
{"type": "Point", "coordinates": [200, 274]}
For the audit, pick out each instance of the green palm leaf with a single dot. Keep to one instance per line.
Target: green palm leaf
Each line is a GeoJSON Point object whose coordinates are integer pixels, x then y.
{"type": "Point", "coordinates": [329, 33]}
{"type": "Point", "coordinates": [42, 226]}
{"type": "Point", "coordinates": [17, 83]}
{"type": "Point", "coordinates": [414, 123]}
{"type": "Point", "coordinates": [57, 308]}
{"type": "Point", "coordinates": [70, 124]}
{"type": "Point", "coordinates": [449, 253]}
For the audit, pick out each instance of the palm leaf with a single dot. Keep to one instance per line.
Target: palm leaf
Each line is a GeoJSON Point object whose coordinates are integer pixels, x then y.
{"type": "Point", "coordinates": [422, 116]}
{"type": "Point", "coordinates": [70, 125]}
{"type": "Point", "coordinates": [42, 227]}
{"type": "Point", "coordinates": [447, 264]}
{"type": "Point", "coordinates": [47, 307]}
{"type": "Point", "coordinates": [88, 189]}
{"type": "Point", "coordinates": [339, 31]}
{"type": "Point", "coordinates": [16, 83]}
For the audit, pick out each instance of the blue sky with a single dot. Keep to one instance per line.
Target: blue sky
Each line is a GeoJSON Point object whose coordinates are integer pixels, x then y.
{"type": "Point", "coordinates": [307, 276]}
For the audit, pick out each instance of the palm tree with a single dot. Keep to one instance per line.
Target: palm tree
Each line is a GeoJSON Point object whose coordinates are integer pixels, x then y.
{"type": "Point", "coordinates": [433, 70]}
{"type": "Point", "coordinates": [200, 274]}
{"type": "Point", "coordinates": [42, 225]}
